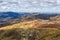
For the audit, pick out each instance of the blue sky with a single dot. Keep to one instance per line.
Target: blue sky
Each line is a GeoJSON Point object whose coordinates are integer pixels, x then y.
{"type": "Point", "coordinates": [51, 6]}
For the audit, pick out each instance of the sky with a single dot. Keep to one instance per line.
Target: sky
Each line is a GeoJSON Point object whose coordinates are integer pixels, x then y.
{"type": "Point", "coordinates": [51, 6]}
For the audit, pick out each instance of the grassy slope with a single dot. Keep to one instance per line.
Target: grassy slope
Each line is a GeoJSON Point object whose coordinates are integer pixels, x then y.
{"type": "Point", "coordinates": [32, 30]}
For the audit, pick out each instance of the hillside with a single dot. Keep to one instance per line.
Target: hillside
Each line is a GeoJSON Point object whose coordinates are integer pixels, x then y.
{"type": "Point", "coordinates": [36, 16]}
{"type": "Point", "coordinates": [31, 27]}
{"type": "Point", "coordinates": [34, 24]}
{"type": "Point", "coordinates": [31, 30]}
{"type": "Point", "coordinates": [8, 18]}
{"type": "Point", "coordinates": [56, 18]}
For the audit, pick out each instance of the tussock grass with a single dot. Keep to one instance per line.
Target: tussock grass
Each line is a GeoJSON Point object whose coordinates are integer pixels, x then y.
{"type": "Point", "coordinates": [30, 34]}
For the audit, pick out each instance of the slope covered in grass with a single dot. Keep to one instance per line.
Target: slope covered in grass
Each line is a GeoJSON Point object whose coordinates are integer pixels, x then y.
{"type": "Point", "coordinates": [34, 24]}
{"type": "Point", "coordinates": [30, 34]}
{"type": "Point", "coordinates": [32, 30]}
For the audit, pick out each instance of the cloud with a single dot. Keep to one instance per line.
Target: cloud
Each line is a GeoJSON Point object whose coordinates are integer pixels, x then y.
{"type": "Point", "coordinates": [30, 5]}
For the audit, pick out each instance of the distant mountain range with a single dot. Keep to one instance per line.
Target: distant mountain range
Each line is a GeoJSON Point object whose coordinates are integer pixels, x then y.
{"type": "Point", "coordinates": [7, 18]}
{"type": "Point", "coordinates": [35, 16]}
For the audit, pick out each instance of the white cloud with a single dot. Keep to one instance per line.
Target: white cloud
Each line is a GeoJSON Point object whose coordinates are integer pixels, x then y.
{"type": "Point", "coordinates": [30, 5]}
{"type": "Point", "coordinates": [34, 2]}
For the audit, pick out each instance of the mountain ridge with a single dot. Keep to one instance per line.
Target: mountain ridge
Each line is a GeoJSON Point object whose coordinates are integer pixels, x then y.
{"type": "Point", "coordinates": [32, 27]}
{"type": "Point", "coordinates": [8, 18]}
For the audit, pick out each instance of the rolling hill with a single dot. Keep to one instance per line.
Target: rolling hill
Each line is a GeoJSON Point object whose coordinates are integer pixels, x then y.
{"type": "Point", "coordinates": [8, 18]}
{"type": "Point", "coordinates": [21, 26]}
{"type": "Point", "coordinates": [31, 30]}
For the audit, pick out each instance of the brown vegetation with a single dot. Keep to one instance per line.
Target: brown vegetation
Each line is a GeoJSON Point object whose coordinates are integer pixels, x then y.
{"type": "Point", "coordinates": [32, 30]}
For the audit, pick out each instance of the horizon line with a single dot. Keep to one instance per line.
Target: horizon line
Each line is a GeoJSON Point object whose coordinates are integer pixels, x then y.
{"type": "Point", "coordinates": [30, 12]}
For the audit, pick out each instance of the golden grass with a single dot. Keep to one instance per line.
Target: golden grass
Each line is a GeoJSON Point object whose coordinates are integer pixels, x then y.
{"type": "Point", "coordinates": [33, 24]}
{"type": "Point", "coordinates": [31, 30]}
